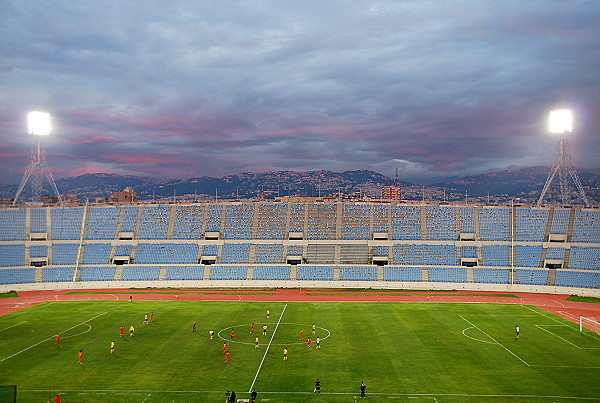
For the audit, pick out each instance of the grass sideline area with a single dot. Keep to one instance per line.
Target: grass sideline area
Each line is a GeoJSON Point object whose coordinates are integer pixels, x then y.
{"type": "Point", "coordinates": [408, 352]}
{"type": "Point", "coordinates": [9, 294]}
{"type": "Point", "coordinates": [592, 300]}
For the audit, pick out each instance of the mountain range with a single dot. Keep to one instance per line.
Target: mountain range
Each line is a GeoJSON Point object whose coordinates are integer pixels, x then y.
{"type": "Point", "coordinates": [523, 184]}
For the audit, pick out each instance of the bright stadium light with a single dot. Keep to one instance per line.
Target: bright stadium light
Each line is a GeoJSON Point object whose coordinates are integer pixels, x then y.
{"type": "Point", "coordinates": [37, 171]}
{"type": "Point", "coordinates": [39, 123]}
{"type": "Point", "coordinates": [561, 121]}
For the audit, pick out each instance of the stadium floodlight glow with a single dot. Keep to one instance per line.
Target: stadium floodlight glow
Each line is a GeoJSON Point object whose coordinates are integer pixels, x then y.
{"type": "Point", "coordinates": [561, 121]}
{"type": "Point", "coordinates": [39, 123]}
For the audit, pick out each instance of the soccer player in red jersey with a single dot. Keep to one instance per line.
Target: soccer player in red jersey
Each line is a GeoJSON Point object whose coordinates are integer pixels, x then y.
{"type": "Point", "coordinates": [57, 399]}
{"type": "Point", "coordinates": [151, 316]}
{"type": "Point", "coordinates": [121, 331]}
{"type": "Point", "coordinates": [308, 341]}
{"type": "Point", "coordinates": [252, 328]}
{"type": "Point", "coordinates": [227, 356]}
{"type": "Point", "coordinates": [301, 335]}
{"type": "Point", "coordinates": [225, 347]}
{"type": "Point", "coordinates": [80, 357]}
{"type": "Point", "coordinates": [57, 338]}
{"type": "Point", "coordinates": [232, 337]}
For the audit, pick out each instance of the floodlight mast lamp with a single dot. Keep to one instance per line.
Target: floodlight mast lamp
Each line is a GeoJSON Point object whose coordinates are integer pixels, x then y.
{"type": "Point", "coordinates": [561, 122]}
{"type": "Point", "coordinates": [39, 125]}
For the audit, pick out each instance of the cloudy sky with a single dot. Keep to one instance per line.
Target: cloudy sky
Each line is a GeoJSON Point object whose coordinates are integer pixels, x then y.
{"type": "Point", "coordinates": [437, 89]}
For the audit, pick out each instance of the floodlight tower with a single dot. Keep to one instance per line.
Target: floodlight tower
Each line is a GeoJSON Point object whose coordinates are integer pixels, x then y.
{"type": "Point", "coordinates": [39, 126]}
{"type": "Point", "coordinates": [561, 122]}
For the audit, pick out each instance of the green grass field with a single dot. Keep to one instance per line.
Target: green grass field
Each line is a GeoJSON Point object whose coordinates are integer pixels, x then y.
{"type": "Point", "coordinates": [405, 352]}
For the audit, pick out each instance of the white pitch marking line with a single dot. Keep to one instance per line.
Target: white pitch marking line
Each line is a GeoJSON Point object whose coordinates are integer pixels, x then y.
{"type": "Point", "coordinates": [50, 338]}
{"type": "Point", "coordinates": [516, 356]}
{"type": "Point", "coordinates": [555, 335]}
{"type": "Point", "coordinates": [473, 338]}
{"type": "Point", "coordinates": [20, 323]}
{"type": "Point", "coordinates": [149, 394]}
{"type": "Point", "coordinates": [267, 349]}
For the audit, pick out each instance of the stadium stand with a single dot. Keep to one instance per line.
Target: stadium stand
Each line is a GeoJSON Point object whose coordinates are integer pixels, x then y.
{"type": "Point", "coordinates": [129, 219]}
{"type": "Point", "coordinates": [495, 255]}
{"type": "Point", "coordinates": [184, 272]}
{"type": "Point", "coordinates": [406, 222]}
{"type": "Point", "coordinates": [140, 273]}
{"type": "Point", "coordinates": [57, 274]}
{"type": "Point", "coordinates": [586, 226]}
{"type": "Point", "coordinates": [447, 274]}
{"type": "Point", "coordinates": [528, 255]}
{"type": "Point", "coordinates": [238, 221]}
{"type": "Point", "coordinates": [330, 241]}
{"type": "Point", "coordinates": [583, 279]}
{"type": "Point", "coordinates": [268, 253]}
{"type": "Point", "coordinates": [96, 253]}
{"type": "Point", "coordinates": [491, 276]}
{"type": "Point", "coordinates": [585, 258]}
{"type": "Point", "coordinates": [355, 221]}
{"type": "Point", "coordinates": [99, 273]}
{"type": "Point", "coordinates": [314, 273]}
{"type": "Point", "coordinates": [173, 253]}
{"type": "Point", "coordinates": [12, 255]}
{"type": "Point", "coordinates": [494, 223]}
{"type": "Point", "coordinates": [102, 223]}
{"type": "Point", "coordinates": [271, 273]}
{"type": "Point", "coordinates": [235, 253]}
{"type": "Point", "coordinates": [531, 277]}
{"type": "Point", "coordinates": [17, 276]}
{"type": "Point", "coordinates": [37, 220]}
{"type": "Point", "coordinates": [64, 254]}
{"type": "Point", "coordinates": [188, 222]}
{"type": "Point", "coordinates": [13, 225]}
{"type": "Point", "coordinates": [358, 273]}
{"type": "Point", "coordinates": [271, 221]}
{"type": "Point", "coordinates": [531, 224]}
{"type": "Point", "coordinates": [441, 223]}
{"type": "Point", "coordinates": [223, 272]}
{"type": "Point", "coordinates": [66, 223]}
{"type": "Point", "coordinates": [154, 222]}
{"type": "Point", "coordinates": [408, 274]}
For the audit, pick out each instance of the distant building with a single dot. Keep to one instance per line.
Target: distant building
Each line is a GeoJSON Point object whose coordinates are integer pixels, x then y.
{"type": "Point", "coordinates": [67, 200]}
{"type": "Point", "coordinates": [127, 196]}
{"type": "Point", "coordinates": [391, 193]}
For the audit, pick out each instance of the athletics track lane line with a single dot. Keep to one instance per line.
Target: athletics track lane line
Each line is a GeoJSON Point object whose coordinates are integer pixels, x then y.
{"type": "Point", "coordinates": [267, 350]}
{"type": "Point", "coordinates": [49, 338]}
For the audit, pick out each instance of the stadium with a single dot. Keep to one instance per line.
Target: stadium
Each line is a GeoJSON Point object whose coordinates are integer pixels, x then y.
{"type": "Point", "coordinates": [375, 278]}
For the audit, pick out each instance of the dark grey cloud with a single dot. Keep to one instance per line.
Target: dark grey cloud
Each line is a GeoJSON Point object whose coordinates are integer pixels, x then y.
{"type": "Point", "coordinates": [437, 89]}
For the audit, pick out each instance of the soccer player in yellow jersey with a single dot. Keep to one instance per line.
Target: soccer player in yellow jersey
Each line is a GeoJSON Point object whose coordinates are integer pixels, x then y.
{"type": "Point", "coordinates": [112, 347]}
{"type": "Point", "coordinates": [210, 333]}
{"type": "Point", "coordinates": [131, 330]}
{"type": "Point", "coordinates": [318, 343]}
{"type": "Point", "coordinates": [314, 328]}
{"type": "Point", "coordinates": [285, 354]}
{"type": "Point", "coordinates": [268, 314]}
{"type": "Point", "coordinates": [256, 342]}
{"type": "Point", "coordinates": [264, 330]}
{"type": "Point", "coordinates": [146, 318]}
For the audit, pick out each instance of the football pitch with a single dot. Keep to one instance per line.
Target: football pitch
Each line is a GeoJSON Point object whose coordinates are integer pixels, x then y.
{"type": "Point", "coordinates": [404, 352]}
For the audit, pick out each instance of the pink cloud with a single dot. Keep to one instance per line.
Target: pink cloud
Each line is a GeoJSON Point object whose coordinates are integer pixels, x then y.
{"type": "Point", "coordinates": [141, 159]}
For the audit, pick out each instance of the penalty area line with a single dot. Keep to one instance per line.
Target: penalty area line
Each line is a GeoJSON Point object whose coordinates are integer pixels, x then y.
{"type": "Point", "coordinates": [50, 338]}
{"type": "Point", "coordinates": [267, 349]}
{"type": "Point", "coordinates": [495, 341]}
